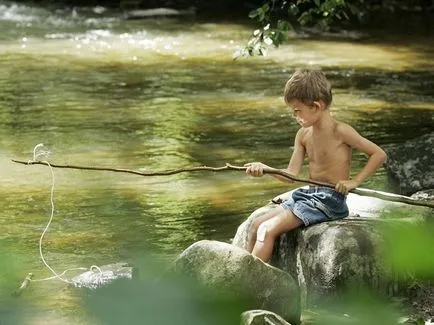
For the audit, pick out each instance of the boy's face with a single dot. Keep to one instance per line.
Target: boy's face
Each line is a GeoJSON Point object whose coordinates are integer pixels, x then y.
{"type": "Point", "coordinates": [304, 114]}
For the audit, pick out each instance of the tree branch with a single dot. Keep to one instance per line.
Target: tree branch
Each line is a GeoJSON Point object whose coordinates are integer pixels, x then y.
{"type": "Point", "coordinates": [360, 191]}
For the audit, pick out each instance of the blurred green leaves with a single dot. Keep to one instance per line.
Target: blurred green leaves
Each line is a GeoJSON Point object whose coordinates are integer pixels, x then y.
{"type": "Point", "coordinates": [411, 248]}
{"type": "Point", "coordinates": [163, 298]}
{"type": "Point", "coordinates": [277, 18]}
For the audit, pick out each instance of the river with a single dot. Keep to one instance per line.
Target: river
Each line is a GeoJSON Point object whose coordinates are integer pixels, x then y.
{"type": "Point", "coordinates": [158, 94]}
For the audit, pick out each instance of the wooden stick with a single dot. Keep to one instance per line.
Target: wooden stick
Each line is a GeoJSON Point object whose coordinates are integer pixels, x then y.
{"type": "Point", "coordinates": [360, 191]}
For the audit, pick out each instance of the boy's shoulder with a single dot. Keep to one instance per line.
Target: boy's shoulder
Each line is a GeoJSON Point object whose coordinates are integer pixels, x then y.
{"type": "Point", "coordinates": [303, 132]}
{"type": "Point", "coordinates": [336, 127]}
{"type": "Point", "coordinates": [343, 128]}
{"type": "Point", "coordinates": [347, 133]}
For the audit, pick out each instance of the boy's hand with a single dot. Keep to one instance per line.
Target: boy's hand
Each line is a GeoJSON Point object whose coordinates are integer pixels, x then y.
{"type": "Point", "coordinates": [344, 187]}
{"type": "Point", "coordinates": [255, 169]}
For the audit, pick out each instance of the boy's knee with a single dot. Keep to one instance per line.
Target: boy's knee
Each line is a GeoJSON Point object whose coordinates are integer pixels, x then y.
{"type": "Point", "coordinates": [269, 229]}
{"type": "Point", "coordinates": [262, 232]}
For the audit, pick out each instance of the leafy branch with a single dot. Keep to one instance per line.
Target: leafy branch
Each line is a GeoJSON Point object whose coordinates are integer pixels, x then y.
{"type": "Point", "coordinates": [277, 18]}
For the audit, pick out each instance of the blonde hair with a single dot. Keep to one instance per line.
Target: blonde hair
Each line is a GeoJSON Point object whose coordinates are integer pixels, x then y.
{"type": "Point", "coordinates": [308, 86]}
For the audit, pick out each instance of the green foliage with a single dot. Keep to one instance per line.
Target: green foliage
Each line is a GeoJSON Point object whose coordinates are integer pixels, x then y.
{"type": "Point", "coordinates": [411, 249]}
{"type": "Point", "coordinates": [277, 18]}
{"type": "Point", "coordinates": [162, 297]}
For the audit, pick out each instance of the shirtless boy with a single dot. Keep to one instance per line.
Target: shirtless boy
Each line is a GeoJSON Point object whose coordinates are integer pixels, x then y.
{"type": "Point", "coordinates": [328, 144]}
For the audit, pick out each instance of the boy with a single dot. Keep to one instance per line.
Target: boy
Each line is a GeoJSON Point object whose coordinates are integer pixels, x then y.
{"type": "Point", "coordinates": [328, 144]}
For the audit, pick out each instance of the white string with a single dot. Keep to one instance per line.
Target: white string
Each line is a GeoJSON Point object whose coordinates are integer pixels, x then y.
{"type": "Point", "coordinates": [97, 268]}
{"type": "Point", "coordinates": [93, 268]}
{"type": "Point", "coordinates": [57, 276]}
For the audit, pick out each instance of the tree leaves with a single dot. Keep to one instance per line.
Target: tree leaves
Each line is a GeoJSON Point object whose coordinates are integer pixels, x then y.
{"type": "Point", "coordinates": [260, 13]}
{"type": "Point", "coordinates": [277, 18]}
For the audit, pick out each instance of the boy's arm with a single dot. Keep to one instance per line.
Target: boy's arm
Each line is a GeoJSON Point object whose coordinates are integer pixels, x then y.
{"type": "Point", "coordinates": [297, 158]}
{"type": "Point", "coordinates": [377, 157]}
{"type": "Point", "coordinates": [296, 161]}
{"type": "Point", "coordinates": [294, 166]}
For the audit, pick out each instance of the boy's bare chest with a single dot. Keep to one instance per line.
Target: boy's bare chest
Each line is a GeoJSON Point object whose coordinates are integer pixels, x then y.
{"type": "Point", "coordinates": [322, 148]}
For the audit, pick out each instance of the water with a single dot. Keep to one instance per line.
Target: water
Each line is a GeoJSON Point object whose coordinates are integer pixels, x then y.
{"type": "Point", "coordinates": [162, 94]}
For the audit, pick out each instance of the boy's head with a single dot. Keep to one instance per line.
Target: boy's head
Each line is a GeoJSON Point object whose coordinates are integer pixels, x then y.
{"type": "Point", "coordinates": [308, 86]}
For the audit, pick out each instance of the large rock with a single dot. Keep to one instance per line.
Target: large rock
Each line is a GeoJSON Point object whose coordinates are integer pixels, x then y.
{"type": "Point", "coordinates": [230, 270]}
{"type": "Point", "coordinates": [411, 164]}
{"type": "Point", "coordinates": [329, 257]}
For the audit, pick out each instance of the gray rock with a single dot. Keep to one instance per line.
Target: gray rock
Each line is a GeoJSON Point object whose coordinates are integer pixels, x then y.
{"type": "Point", "coordinates": [230, 270]}
{"type": "Point", "coordinates": [332, 256]}
{"type": "Point", "coordinates": [329, 257]}
{"type": "Point", "coordinates": [261, 317]}
{"type": "Point", "coordinates": [411, 164]}
{"type": "Point", "coordinates": [99, 276]}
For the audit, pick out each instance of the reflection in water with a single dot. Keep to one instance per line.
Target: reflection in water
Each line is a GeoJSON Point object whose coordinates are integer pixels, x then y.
{"type": "Point", "coordinates": [163, 94]}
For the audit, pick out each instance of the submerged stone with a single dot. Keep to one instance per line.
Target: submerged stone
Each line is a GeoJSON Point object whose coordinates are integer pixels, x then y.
{"type": "Point", "coordinates": [99, 276]}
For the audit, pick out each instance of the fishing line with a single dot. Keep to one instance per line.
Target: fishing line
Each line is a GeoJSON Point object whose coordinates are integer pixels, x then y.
{"type": "Point", "coordinates": [37, 152]}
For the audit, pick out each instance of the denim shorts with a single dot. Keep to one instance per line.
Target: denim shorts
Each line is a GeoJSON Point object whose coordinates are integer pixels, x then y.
{"type": "Point", "coordinates": [317, 204]}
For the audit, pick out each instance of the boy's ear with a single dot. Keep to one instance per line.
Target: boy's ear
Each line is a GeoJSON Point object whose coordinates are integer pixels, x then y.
{"type": "Point", "coordinates": [319, 105]}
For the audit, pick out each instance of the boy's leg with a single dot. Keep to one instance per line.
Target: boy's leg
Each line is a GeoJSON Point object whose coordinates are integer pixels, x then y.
{"type": "Point", "coordinates": [253, 229]}
{"type": "Point", "coordinates": [269, 230]}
